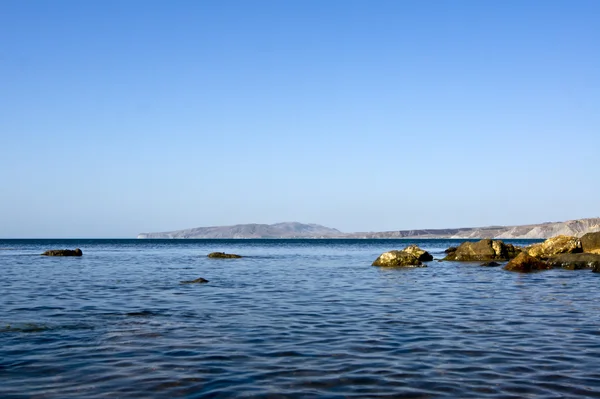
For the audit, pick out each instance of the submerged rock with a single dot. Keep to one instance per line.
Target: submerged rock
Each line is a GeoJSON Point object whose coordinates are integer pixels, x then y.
{"type": "Point", "coordinates": [526, 263]}
{"type": "Point", "coordinates": [490, 264]}
{"type": "Point", "coordinates": [575, 261]}
{"type": "Point", "coordinates": [555, 246]}
{"type": "Point", "coordinates": [484, 250]}
{"type": "Point", "coordinates": [411, 256]}
{"type": "Point", "coordinates": [199, 280]}
{"type": "Point", "coordinates": [590, 243]}
{"type": "Point", "coordinates": [223, 255]}
{"type": "Point", "coordinates": [63, 252]}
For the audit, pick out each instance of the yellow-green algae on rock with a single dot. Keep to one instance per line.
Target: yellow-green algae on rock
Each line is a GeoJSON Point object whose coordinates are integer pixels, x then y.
{"type": "Point", "coordinates": [411, 256]}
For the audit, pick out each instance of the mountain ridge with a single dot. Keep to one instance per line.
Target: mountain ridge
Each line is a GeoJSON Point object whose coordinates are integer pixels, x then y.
{"type": "Point", "coordinates": [576, 227]}
{"type": "Point", "coordinates": [252, 230]}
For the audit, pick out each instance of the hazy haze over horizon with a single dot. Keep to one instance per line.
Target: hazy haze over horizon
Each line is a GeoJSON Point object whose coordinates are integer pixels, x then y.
{"type": "Point", "coordinates": [146, 116]}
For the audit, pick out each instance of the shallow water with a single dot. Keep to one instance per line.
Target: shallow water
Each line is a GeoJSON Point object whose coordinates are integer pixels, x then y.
{"type": "Point", "coordinates": [295, 318]}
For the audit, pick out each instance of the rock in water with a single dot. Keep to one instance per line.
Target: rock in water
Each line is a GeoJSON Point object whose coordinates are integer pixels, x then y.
{"type": "Point", "coordinates": [199, 280]}
{"type": "Point", "coordinates": [526, 263]}
{"type": "Point", "coordinates": [555, 246]}
{"type": "Point", "coordinates": [223, 255]}
{"type": "Point", "coordinates": [397, 259]}
{"type": "Point", "coordinates": [484, 250]}
{"type": "Point", "coordinates": [63, 252]}
{"type": "Point", "coordinates": [418, 253]}
{"type": "Point", "coordinates": [575, 261]}
{"type": "Point", "coordinates": [590, 243]}
{"type": "Point", "coordinates": [490, 264]}
{"type": "Point", "coordinates": [411, 256]}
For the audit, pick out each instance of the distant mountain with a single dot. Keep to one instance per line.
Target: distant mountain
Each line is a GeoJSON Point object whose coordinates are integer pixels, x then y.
{"type": "Point", "coordinates": [544, 230]}
{"type": "Point", "coordinates": [278, 230]}
{"type": "Point", "coordinates": [299, 230]}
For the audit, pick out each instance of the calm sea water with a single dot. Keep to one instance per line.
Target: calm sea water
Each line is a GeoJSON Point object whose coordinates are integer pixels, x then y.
{"type": "Point", "coordinates": [294, 319]}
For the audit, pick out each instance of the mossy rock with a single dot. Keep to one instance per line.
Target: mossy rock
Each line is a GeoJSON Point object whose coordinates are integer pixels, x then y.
{"type": "Point", "coordinates": [397, 259]}
{"type": "Point", "coordinates": [525, 263]}
{"type": "Point", "coordinates": [484, 250]}
{"type": "Point", "coordinates": [555, 246]}
{"type": "Point", "coordinates": [590, 242]}
{"type": "Point", "coordinates": [418, 253]}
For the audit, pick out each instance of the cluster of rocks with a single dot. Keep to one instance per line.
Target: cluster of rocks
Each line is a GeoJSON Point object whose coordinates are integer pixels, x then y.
{"type": "Point", "coordinates": [561, 252]}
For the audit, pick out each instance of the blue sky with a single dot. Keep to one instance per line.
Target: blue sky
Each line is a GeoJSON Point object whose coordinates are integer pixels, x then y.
{"type": "Point", "coordinates": [120, 117]}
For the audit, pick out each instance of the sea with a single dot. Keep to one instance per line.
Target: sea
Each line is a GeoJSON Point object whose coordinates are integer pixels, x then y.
{"type": "Point", "coordinates": [291, 319]}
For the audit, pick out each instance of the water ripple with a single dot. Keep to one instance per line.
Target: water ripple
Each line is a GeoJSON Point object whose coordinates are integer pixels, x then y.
{"type": "Point", "coordinates": [292, 319]}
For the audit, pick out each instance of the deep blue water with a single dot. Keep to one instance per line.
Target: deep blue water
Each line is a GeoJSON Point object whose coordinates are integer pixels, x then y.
{"type": "Point", "coordinates": [294, 318]}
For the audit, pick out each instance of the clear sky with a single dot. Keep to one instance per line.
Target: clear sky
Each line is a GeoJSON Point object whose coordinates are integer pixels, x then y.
{"type": "Point", "coordinates": [120, 117]}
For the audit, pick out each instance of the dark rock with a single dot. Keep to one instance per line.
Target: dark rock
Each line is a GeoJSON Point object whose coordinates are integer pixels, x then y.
{"type": "Point", "coordinates": [590, 242]}
{"type": "Point", "coordinates": [199, 280]}
{"type": "Point", "coordinates": [490, 264]}
{"type": "Point", "coordinates": [555, 246]}
{"type": "Point", "coordinates": [484, 250]}
{"type": "Point", "coordinates": [223, 255]}
{"type": "Point", "coordinates": [398, 259]}
{"type": "Point", "coordinates": [143, 313]}
{"type": "Point", "coordinates": [63, 252]}
{"type": "Point", "coordinates": [526, 263]}
{"type": "Point", "coordinates": [575, 261]}
{"type": "Point", "coordinates": [451, 249]}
